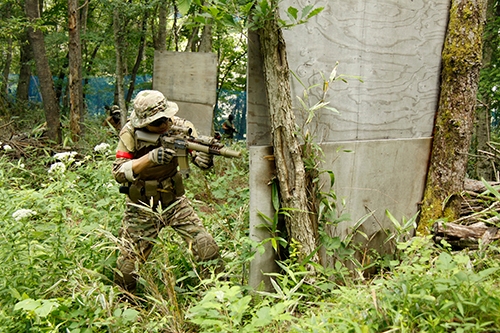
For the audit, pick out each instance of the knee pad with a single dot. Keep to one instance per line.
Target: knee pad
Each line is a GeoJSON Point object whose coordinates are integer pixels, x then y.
{"type": "Point", "coordinates": [127, 279]}
{"type": "Point", "coordinates": [204, 247]}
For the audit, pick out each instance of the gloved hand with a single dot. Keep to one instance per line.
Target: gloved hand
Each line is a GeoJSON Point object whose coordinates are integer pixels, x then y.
{"type": "Point", "coordinates": [203, 160]}
{"type": "Point", "coordinates": [161, 155]}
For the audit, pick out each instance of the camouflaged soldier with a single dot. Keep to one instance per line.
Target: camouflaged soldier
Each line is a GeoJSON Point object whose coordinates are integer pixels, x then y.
{"type": "Point", "coordinates": [149, 174]}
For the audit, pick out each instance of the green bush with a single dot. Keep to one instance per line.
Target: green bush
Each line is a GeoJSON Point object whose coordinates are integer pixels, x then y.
{"type": "Point", "coordinates": [58, 247]}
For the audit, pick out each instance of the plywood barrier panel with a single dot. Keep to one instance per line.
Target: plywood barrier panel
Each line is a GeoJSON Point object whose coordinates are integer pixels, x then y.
{"type": "Point", "coordinates": [393, 46]}
{"type": "Point", "coordinates": [261, 173]}
{"type": "Point", "coordinates": [190, 80]}
{"type": "Point", "coordinates": [378, 175]}
{"type": "Point", "coordinates": [258, 118]}
{"type": "Point", "coordinates": [373, 177]}
{"type": "Point", "coordinates": [386, 121]}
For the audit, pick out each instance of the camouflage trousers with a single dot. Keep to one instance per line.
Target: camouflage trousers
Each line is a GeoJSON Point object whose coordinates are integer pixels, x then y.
{"type": "Point", "coordinates": [141, 225]}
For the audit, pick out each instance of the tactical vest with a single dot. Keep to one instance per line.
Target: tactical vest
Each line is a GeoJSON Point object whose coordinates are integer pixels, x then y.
{"type": "Point", "coordinates": [162, 183]}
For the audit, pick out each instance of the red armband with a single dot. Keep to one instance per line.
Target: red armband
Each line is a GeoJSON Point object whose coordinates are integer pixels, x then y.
{"type": "Point", "coordinates": [124, 154]}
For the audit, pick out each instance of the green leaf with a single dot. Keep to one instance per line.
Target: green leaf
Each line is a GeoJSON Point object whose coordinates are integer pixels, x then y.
{"type": "Point", "coordinates": [423, 297]}
{"type": "Point", "coordinates": [445, 262]}
{"type": "Point", "coordinates": [305, 11]}
{"type": "Point", "coordinates": [274, 244]}
{"type": "Point", "coordinates": [487, 272]}
{"type": "Point", "coordinates": [27, 305]}
{"type": "Point", "coordinates": [14, 293]}
{"type": "Point", "coordinates": [394, 220]}
{"type": "Point", "coordinates": [200, 19]}
{"type": "Point", "coordinates": [292, 13]}
{"type": "Point", "coordinates": [46, 308]}
{"type": "Point", "coordinates": [228, 20]}
{"type": "Point", "coordinates": [214, 11]}
{"type": "Point", "coordinates": [315, 12]}
{"type": "Point", "coordinates": [263, 317]}
{"type": "Point", "coordinates": [277, 288]}
{"type": "Point", "coordinates": [460, 308]}
{"type": "Point", "coordinates": [183, 6]}
{"type": "Point", "coordinates": [130, 315]}
{"type": "Point", "coordinates": [491, 189]}
{"type": "Point", "coordinates": [299, 81]}
{"type": "Point", "coordinates": [275, 196]}
{"type": "Point", "coordinates": [266, 218]}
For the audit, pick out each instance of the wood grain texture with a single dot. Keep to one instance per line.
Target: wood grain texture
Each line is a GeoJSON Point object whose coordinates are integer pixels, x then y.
{"type": "Point", "coordinates": [186, 76]}
{"type": "Point", "coordinates": [190, 80]}
{"type": "Point", "coordinates": [393, 46]}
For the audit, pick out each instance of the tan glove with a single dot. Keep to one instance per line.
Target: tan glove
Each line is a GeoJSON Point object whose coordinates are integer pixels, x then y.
{"type": "Point", "coordinates": [203, 160]}
{"type": "Point", "coordinates": [161, 155]}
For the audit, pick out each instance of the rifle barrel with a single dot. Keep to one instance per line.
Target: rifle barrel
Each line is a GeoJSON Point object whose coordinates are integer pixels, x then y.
{"type": "Point", "coordinates": [223, 151]}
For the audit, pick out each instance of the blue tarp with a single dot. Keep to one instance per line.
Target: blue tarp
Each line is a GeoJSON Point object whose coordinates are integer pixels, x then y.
{"type": "Point", "coordinates": [99, 93]}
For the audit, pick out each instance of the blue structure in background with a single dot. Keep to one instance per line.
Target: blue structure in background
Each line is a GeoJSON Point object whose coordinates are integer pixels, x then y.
{"type": "Point", "coordinates": [100, 91]}
{"type": "Point", "coordinates": [232, 102]}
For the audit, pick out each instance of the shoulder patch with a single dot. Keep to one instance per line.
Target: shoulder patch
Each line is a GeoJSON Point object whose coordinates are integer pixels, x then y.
{"type": "Point", "coordinates": [127, 140]}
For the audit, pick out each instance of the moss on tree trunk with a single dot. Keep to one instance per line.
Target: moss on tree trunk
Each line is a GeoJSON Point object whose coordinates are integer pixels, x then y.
{"type": "Point", "coordinates": [461, 59]}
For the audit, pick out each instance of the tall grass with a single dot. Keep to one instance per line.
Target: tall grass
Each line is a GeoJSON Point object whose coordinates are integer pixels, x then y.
{"type": "Point", "coordinates": [58, 246]}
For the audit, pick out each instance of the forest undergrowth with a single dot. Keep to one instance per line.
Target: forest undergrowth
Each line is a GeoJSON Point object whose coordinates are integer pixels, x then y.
{"type": "Point", "coordinates": [58, 238]}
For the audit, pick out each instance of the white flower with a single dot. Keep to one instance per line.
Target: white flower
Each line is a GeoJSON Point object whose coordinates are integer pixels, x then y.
{"type": "Point", "coordinates": [58, 167]}
{"type": "Point", "coordinates": [23, 213]}
{"type": "Point", "coordinates": [102, 147]}
{"type": "Point", "coordinates": [66, 156]}
{"type": "Point", "coordinates": [7, 147]}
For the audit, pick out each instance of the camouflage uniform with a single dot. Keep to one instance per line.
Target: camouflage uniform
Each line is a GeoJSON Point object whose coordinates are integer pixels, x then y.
{"type": "Point", "coordinates": [157, 186]}
{"type": "Point", "coordinates": [113, 119]}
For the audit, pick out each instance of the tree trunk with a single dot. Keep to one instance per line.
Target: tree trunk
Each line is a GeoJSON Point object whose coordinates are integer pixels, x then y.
{"type": "Point", "coordinates": [461, 236]}
{"type": "Point", "coordinates": [23, 84]}
{"type": "Point", "coordinates": [4, 87]}
{"type": "Point", "coordinates": [287, 150]}
{"type": "Point", "coordinates": [6, 68]}
{"type": "Point", "coordinates": [44, 74]}
{"type": "Point", "coordinates": [119, 49]}
{"type": "Point", "coordinates": [192, 40]}
{"type": "Point", "coordinates": [140, 54]}
{"type": "Point", "coordinates": [206, 39]}
{"type": "Point", "coordinates": [160, 40]}
{"type": "Point", "coordinates": [484, 164]}
{"type": "Point", "coordinates": [453, 129]}
{"type": "Point", "coordinates": [75, 71]}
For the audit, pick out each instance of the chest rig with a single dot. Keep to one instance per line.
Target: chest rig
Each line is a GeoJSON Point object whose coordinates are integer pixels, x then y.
{"type": "Point", "coordinates": [158, 183]}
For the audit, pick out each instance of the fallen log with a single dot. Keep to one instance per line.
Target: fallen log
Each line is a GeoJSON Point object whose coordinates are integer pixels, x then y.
{"type": "Point", "coordinates": [478, 219]}
{"type": "Point", "coordinates": [465, 236]}
{"type": "Point", "coordinates": [477, 186]}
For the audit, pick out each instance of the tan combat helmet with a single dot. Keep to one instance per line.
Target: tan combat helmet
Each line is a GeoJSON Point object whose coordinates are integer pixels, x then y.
{"type": "Point", "coordinates": [150, 105]}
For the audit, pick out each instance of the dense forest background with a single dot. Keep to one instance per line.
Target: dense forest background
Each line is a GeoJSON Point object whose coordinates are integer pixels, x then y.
{"type": "Point", "coordinates": [62, 212]}
{"type": "Point", "coordinates": [143, 28]}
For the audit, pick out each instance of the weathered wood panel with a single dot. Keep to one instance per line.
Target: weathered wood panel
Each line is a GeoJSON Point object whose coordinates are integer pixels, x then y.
{"type": "Point", "coordinates": [190, 79]}
{"type": "Point", "coordinates": [377, 175]}
{"type": "Point", "coordinates": [394, 46]}
{"type": "Point", "coordinates": [258, 117]}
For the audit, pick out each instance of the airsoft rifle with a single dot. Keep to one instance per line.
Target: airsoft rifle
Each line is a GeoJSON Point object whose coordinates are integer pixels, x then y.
{"type": "Point", "coordinates": [181, 140]}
